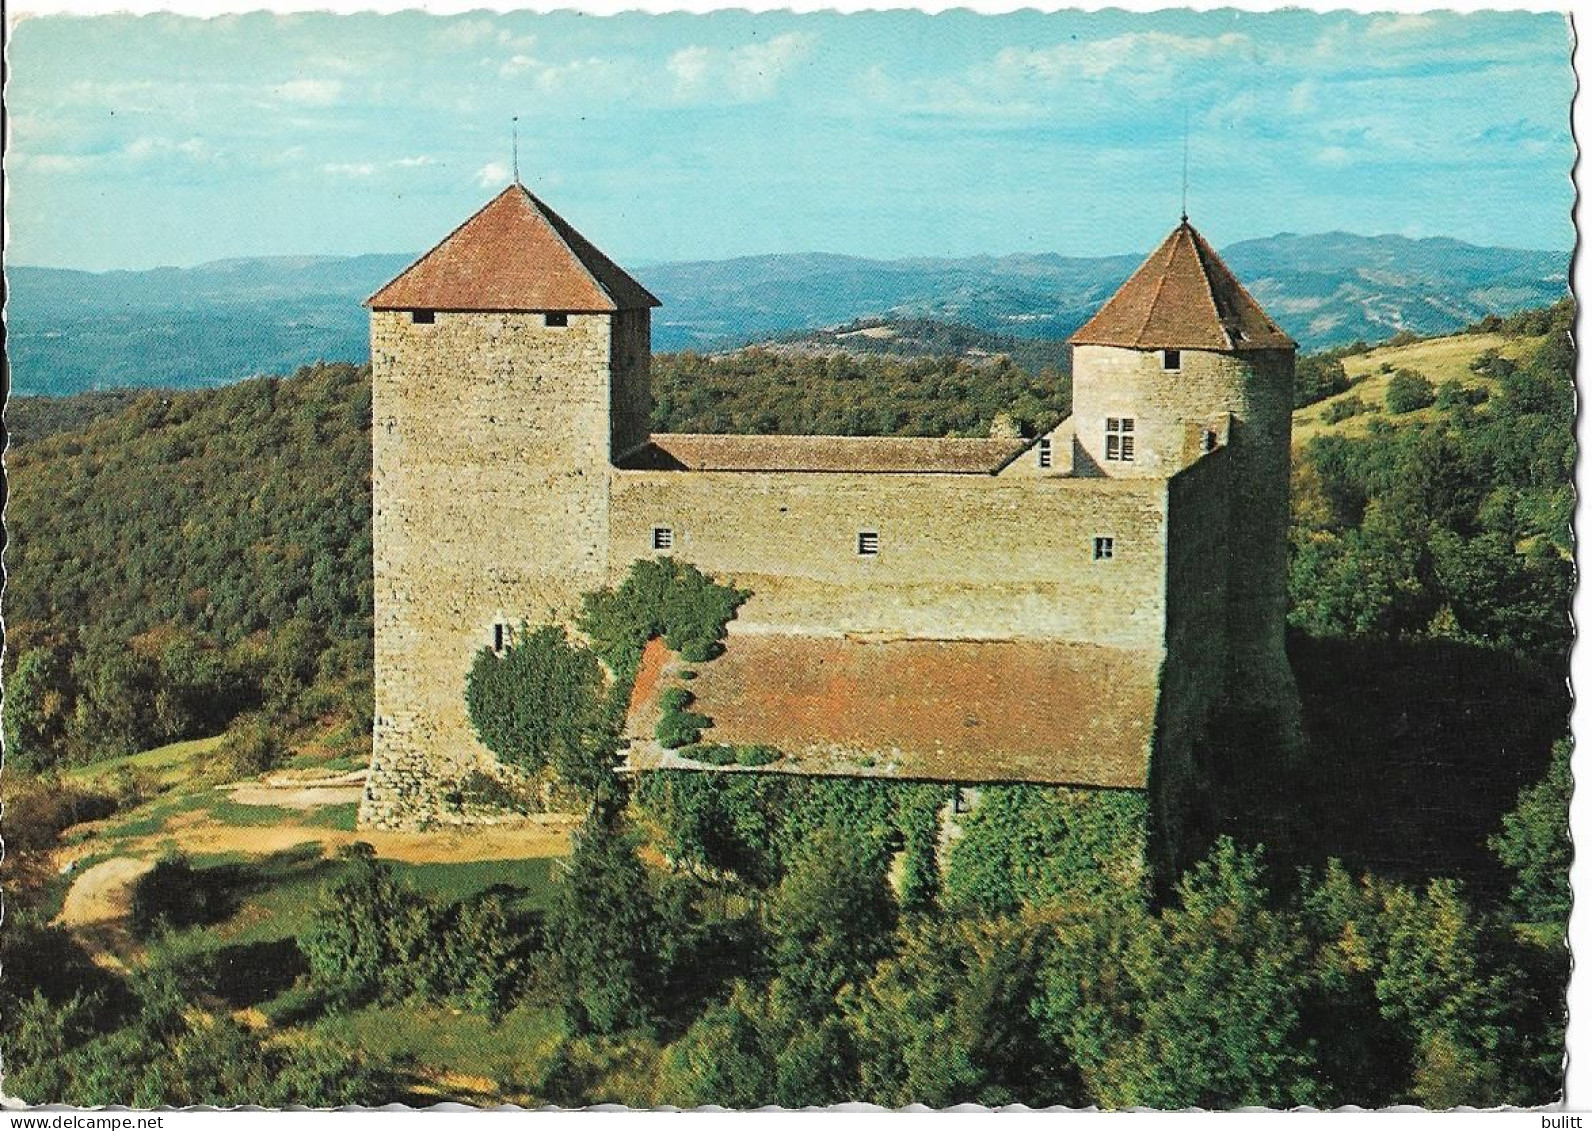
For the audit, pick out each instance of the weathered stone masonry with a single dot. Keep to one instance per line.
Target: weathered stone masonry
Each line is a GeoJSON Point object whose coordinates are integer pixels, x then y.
{"type": "Point", "coordinates": [514, 471]}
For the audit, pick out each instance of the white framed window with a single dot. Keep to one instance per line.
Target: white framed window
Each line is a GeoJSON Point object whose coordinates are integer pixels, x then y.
{"type": "Point", "coordinates": [1047, 458]}
{"type": "Point", "coordinates": [663, 537]}
{"type": "Point", "coordinates": [1105, 548]}
{"type": "Point", "coordinates": [867, 543]}
{"type": "Point", "coordinates": [1171, 360]}
{"type": "Point", "coordinates": [1119, 439]}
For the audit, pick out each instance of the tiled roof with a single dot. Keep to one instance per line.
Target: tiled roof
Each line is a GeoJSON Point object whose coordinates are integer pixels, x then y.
{"type": "Point", "coordinates": [703, 452]}
{"type": "Point", "coordinates": [514, 254]}
{"type": "Point", "coordinates": [1182, 297]}
{"type": "Point", "coordinates": [941, 710]}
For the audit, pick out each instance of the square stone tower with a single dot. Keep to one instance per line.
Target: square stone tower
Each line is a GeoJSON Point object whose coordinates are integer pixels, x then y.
{"type": "Point", "coordinates": [509, 369]}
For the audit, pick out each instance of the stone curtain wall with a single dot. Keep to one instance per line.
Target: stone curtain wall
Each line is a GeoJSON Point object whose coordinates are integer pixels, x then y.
{"type": "Point", "coordinates": [491, 448]}
{"type": "Point", "coordinates": [960, 556]}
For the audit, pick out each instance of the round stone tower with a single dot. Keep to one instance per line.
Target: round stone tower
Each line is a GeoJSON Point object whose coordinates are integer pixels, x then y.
{"type": "Point", "coordinates": [1179, 362]}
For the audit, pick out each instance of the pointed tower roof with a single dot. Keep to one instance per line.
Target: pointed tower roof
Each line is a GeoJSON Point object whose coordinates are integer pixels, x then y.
{"type": "Point", "coordinates": [1183, 297]}
{"type": "Point", "coordinates": [514, 254]}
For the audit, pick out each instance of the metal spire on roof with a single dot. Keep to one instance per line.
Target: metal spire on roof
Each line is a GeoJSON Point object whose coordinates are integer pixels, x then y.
{"type": "Point", "coordinates": [516, 120]}
{"type": "Point", "coordinates": [1185, 164]}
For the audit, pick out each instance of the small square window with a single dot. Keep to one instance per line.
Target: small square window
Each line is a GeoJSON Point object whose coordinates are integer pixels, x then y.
{"type": "Point", "coordinates": [867, 543]}
{"type": "Point", "coordinates": [1104, 549]}
{"type": "Point", "coordinates": [423, 317]}
{"type": "Point", "coordinates": [663, 538]}
{"type": "Point", "coordinates": [555, 319]}
{"type": "Point", "coordinates": [1046, 457]}
{"type": "Point", "coordinates": [1171, 359]}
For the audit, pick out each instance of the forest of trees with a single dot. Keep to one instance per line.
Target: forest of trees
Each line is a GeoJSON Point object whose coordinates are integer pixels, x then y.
{"type": "Point", "coordinates": [195, 558]}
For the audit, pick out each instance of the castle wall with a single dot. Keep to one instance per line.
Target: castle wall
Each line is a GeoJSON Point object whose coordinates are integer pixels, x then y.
{"type": "Point", "coordinates": [490, 436]}
{"type": "Point", "coordinates": [960, 556]}
{"type": "Point", "coordinates": [1193, 675]}
{"type": "Point", "coordinates": [630, 347]}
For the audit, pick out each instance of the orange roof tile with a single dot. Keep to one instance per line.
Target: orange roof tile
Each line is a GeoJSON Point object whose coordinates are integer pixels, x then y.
{"type": "Point", "coordinates": [1182, 297]}
{"type": "Point", "coordinates": [679, 451]}
{"type": "Point", "coordinates": [514, 254]}
{"type": "Point", "coordinates": [940, 710]}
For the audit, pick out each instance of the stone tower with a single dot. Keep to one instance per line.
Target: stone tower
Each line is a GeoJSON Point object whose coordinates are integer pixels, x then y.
{"type": "Point", "coordinates": [1180, 359]}
{"type": "Point", "coordinates": [509, 369]}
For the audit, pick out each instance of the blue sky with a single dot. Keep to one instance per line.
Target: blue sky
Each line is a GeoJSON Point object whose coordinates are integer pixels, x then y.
{"type": "Point", "coordinates": [141, 141]}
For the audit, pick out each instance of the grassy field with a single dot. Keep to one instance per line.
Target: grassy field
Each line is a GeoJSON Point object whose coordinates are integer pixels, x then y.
{"type": "Point", "coordinates": [166, 766]}
{"type": "Point", "coordinates": [1437, 359]}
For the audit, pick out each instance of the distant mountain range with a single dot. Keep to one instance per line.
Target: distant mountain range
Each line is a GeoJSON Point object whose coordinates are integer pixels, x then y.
{"type": "Point", "coordinates": [70, 331]}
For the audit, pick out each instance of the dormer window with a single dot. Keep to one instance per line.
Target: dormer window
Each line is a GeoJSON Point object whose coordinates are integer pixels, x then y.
{"type": "Point", "coordinates": [1171, 360]}
{"type": "Point", "coordinates": [422, 317]}
{"type": "Point", "coordinates": [555, 319]}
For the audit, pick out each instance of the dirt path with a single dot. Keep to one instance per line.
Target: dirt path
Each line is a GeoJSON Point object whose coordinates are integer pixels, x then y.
{"type": "Point", "coordinates": [539, 836]}
{"type": "Point", "coordinates": [102, 894]}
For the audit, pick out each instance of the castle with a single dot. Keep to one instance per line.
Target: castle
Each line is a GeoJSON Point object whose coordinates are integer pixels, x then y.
{"type": "Point", "coordinates": [1066, 608]}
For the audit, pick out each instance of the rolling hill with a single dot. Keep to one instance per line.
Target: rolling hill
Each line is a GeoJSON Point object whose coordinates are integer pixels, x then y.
{"type": "Point", "coordinates": [70, 331]}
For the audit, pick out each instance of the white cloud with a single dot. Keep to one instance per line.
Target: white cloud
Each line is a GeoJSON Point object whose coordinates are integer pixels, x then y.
{"type": "Point", "coordinates": [745, 73]}
{"type": "Point", "coordinates": [492, 175]}
{"type": "Point", "coordinates": [413, 162]}
{"type": "Point", "coordinates": [311, 92]}
{"type": "Point", "coordinates": [465, 33]}
{"type": "Point", "coordinates": [144, 148]}
{"type": "Point", "coordinates": [1334, 156]}
{"type": "Point", "coordinates": [355, 169]}
{"type": "Point", "coordinates": [1136, 52]}
{"type": "Point", "coordinates": [1405, 23]}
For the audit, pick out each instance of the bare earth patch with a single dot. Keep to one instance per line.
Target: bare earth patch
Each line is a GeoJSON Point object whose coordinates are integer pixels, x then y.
{"type": "Point", "coordinates": [536, 836]}
{"type": "Point", "coordinates": [103, 893]}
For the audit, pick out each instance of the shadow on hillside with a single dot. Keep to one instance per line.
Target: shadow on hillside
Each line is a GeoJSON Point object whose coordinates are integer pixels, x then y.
{"type": "Point", "coordinates": [1414, 752]}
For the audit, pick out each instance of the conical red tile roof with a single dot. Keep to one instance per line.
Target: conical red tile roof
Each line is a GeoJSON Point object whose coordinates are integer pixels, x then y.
{"type": "Point", "coordinates": [1183, 297]}
{"type": "Point", "coordinates": [514, 254]}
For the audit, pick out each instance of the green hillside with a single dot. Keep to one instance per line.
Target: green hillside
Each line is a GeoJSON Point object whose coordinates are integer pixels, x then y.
{"type": "Point", "coordinates": [1379, 924]}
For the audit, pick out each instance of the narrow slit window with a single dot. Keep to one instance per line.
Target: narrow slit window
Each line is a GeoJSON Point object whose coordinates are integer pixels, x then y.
{"type": "Point", "coordinates": [1171, 359]}
{"type": "Point", "coordinates": [867, 543]}
{"type": "Point", "coordinates": [1046, 457]}
{"type": "Point", "coordinates": [1119, 439]}
{"type": "Point", "coordinates": [663, 537]}
{"type": "Point", "coordinates": [1105, 548]}
{"type": "Point", "coordinates": [423, 317]}
{"type": "Point", "coordinates": [556, 319]}
{"type": "Point", "coordinates": [497, 637]}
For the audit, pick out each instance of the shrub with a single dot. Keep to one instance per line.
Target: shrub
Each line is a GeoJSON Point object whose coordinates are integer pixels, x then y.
{"type": "Point", "coordinates": [1342, 410]}
{"type": "Point", "coordinates": [678, 726]}
{"type": "Point", "coordinates": [173, 895]}
{"type": "Point", "coordinates": [1317, 377]}
{"type": "Point", "coordinates": [540, 701]}
{"type": "Point", "coordinates": [253, 747]}
{"type": "Point", "coordinates": [1408, 390]}
{"type": "Point", "coordinates": [659, 597]}
{"type": "Point", "coordinates": [1452, 394]}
